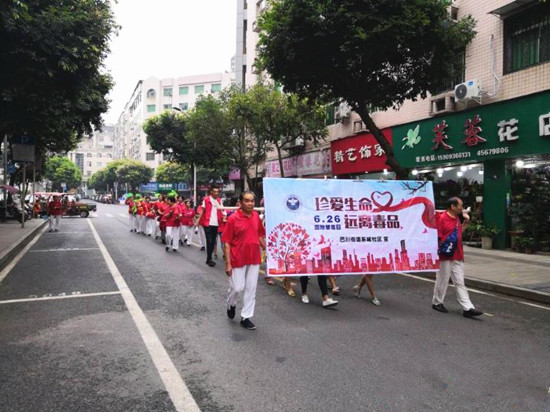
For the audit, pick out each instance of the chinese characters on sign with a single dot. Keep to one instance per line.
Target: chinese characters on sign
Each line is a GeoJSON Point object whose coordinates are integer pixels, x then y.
{"type": "Point", "coordinates": [472, 132]}
{"type": "Point", "coordinates": [440, 136]}
{"type": "Point", "coordinates": [507, 130]}
{"type": "Point", "coordinates": [306, 164]}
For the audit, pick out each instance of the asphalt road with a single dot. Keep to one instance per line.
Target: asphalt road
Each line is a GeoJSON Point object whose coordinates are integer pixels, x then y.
{"type": "Point", "coordinates": [71, 341]}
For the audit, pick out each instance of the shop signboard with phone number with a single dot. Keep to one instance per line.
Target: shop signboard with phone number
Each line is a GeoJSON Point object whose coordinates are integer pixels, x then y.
{"type": "Point", "coordinates": [508, 129]}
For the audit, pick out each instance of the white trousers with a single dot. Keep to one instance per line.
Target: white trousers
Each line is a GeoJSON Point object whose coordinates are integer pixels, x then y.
{"type": "Point", "coordinates": [149, 226]}
{"type": "Point", "coordinates": [186, 233]}
{"type": "Point", "coordinates": [173, 237]}
{"type": "Point", "coordinates": [53, 223]}
{"type": "Point", "coordinates": [202, 237]}
{"type": "Point", "coordinates": [244, 279]}
{"type": "Point", "coordinates": [453, 269]}
{"type": "Point", "coordinates": [132, 221]}
{"type": "Point", "coordinates": [157, 228]}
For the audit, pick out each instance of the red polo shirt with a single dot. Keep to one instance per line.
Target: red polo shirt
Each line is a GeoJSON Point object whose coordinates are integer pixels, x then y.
{"type": "Point", "coordinates": [243, 234]}
{"type": "Point", "coordinates": [445, 226]}
{"type": "Point", "coordinates": [55, 208]}
{"type": "Point", "coordinates": [173, 220]}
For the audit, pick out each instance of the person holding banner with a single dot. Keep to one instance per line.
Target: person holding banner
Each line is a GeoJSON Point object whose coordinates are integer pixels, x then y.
{"type": "Point", "coordinates": [366, 280]}
{"type": "Point", "coordinates": [451, 258]}
{"type": "Point", "coordinates": [242, 237]}
{"type": "Point", "coordinates": [322, 280]}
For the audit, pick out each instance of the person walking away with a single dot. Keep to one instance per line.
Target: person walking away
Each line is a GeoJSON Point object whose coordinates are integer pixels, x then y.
{"type": "Point", "coordinates": [55, 209]}
{"type": "Point", "coordinates": [131, 217]}
{"type": "Point", "coordinates": [243, 235]}
{"type": "Point", "coordinates": [209, 219]}
{"type": "Point", "coordinates": [366, 280]}
{"type": "Point", "coordinates": [451, 258]}
{"type": "Point", "coordinates": [173, 216]}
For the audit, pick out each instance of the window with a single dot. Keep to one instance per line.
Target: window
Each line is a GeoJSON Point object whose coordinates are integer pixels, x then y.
{"type": "Point", "coordinates": [99, 164]}
{"type": "Point", "coordinates": [99, 155]}
{"type": "Point", "coordinates": [151, 108]}
{"type": "Point", "coordinates": [89, 164]}
{"type": "Point", "coordinates": [151, 93]}
{"type": "Point", "coordinates": [89, 173]}
{"type": "Point", "coordinates": [167, 92]}
{"type": "Point", "coordinates": [88, 155]}
{"type": "Point", "coordinates": [456, 76]}
{"type": "Point", "coordinates": [184, 90]}
{"type": "Point", "coordinates": [184, 106]}
{"type": "Point", "coordinates": [216, 88]}
{"type": "Point", "coordinates": [199, 89]}
{"type": "Point", "coordinates": [527, 38]}
{"type": "Point", "coordinates": [167, 106]}
{"type": "Point", "coordinates": [149, 156]}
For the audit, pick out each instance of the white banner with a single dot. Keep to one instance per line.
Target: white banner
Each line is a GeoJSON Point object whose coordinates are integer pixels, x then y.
{"type": "Point", "coordinates": [331, 226]}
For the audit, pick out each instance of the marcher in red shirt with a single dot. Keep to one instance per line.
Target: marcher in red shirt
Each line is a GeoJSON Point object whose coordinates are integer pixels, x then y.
{"type": "Point", "coordinates": [131, 214]}
{"type": "Point", "coordinates": [140, 216]}
{"type": "Point", "coordinates": [243, 235]}
{"type": "Point", "coordinates": [149, 217]}
{"type": "Point", "coordinates": [55, 210]}
{"type": "Point", "coordinates": [187, 223]}
{"type": "Point", "coordinates": [208, 218]}
{"type": "Point", "coordinates": [158, 207]}
{"type": "Point", "coordinates": [454, 218]}
{"type": "Point", "coordinates": [173, 216]}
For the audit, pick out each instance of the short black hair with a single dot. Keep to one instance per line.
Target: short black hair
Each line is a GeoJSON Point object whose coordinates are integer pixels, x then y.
{"type": "Point", "coordinates": [246, 192]}
{"type": "Point", "coordinates": [453, 201]}
{"type": "Point", "coordinates": [171, 199]}
{"type": "Point", "coordinates": [214, 187]}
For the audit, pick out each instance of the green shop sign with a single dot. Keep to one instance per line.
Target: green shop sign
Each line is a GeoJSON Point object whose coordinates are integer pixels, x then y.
{"type": "Point", "coordinates": [165, 187]}
{"type": "Point", "coordinates": [500, 130]}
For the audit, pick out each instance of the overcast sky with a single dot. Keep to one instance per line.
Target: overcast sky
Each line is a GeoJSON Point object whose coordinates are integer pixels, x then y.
{"type": "Point", "coordinates": [168, 38]}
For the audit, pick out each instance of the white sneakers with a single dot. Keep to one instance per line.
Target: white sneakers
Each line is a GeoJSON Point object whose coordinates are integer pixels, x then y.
{"type": "Point", "coordinates": [375, 301]}
{"type": "Point", "coordinates": [356, 291]}
{"type": "Point", "coordinates": [305, 299]}
{"type": "Point", "coordinates": [329, 302]}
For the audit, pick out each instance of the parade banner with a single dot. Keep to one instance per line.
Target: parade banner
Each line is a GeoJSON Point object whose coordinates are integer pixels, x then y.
{"type": "Point", "coordinates": [349, 227]}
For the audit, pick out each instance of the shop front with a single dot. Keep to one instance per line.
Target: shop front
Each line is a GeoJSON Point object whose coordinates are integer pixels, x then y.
{"type": "Point", "coordinates": [360, 156]}
{"type": "Point", "coordinates": [481, 154]}
{"type": "Point", "coordinates": [315, 164]}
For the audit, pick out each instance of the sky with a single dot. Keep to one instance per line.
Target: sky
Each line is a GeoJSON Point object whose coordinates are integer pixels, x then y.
{"type": "Point", "coordinates": [168, 38]}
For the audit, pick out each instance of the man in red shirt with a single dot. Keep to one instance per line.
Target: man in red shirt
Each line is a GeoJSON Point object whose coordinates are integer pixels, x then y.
{"type": "Point", "coordinates": [209, 218]}
{"type": "Point", "coordinates": [173, 216]}
{"type": "Point", "coordinates": [55, 209]}
{"type": "Point", "coordinates": [243, 235]}
{"type": "Point", "coordinates": [454, 218]}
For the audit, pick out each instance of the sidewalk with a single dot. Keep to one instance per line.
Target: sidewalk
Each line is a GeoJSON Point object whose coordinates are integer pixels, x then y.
{"type": "Point", "coordinates": [506, 272]}
{"type": "Point", "coordinates": [13, 239]}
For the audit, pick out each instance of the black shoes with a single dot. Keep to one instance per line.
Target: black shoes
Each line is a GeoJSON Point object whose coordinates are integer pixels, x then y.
{"type": "Point", "coordinates": [211, 263]}
{"type": "Point", "coordinates": [231, 312]}
{"type": "Point", "coordinates": [440, 308]}
{"type": "Point", "coordinates": [163, 241]}
{"type": "Point", "coordinates": [175, 250]}
{"type": "Point", "coordinates": [203, 248]}
{"type": "Point", "coordinates": [247, 324]}
{"type": "Point", "coordinates": [472, 313]}
{"type": "Point", "coordinates": [167, 249]}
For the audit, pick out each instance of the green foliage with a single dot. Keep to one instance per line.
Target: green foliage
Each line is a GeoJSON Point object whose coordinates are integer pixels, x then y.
{"type": "Point", "coordinates": [60, 169]}
{"type": "Point", "coordinates": [169, 172]}
{"type": "Point", "coordinates": [167, 134]}
{"type": "Point", "coordinates": [52, 84]}
{"type": "Point", "coordinates": [370, 53]}
{"type": "Point", "coordinates": [122, 171]}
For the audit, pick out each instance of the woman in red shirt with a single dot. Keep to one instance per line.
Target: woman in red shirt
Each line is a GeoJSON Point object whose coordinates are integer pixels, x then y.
{"type": "Point", "coordinates": [173, 215]}
{"type": "Point", "coordinates": [187, 223]}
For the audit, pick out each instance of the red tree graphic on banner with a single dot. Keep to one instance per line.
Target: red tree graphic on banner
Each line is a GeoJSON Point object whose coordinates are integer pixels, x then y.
{"type": "Point", "coordinates": [288, 241]}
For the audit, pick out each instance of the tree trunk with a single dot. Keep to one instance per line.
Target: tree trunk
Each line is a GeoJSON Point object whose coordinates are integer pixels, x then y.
{"type": "Point", "coordinates": [280, 158]}
{"type": "Point", "coordinates": [401, 173]}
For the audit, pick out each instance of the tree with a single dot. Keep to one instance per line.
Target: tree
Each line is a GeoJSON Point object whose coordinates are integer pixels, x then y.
{"type": "Point", "coordinates": [52, 82]}
{"type": "Point", "coordinates": [280, 118]}
{"type": "Point", "coordinates": [167, 134]}
{"type": "Point", "coordinates": [375, 53]}
{"type": "Point", "coordinates": [170, 172]}
{"type": "Point", "coordinates": [134, 173]}
{"type": "Point", "coordinates": [60, 169]}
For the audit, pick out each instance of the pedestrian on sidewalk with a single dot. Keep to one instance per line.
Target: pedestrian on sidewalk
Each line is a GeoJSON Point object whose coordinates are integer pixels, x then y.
{"type": "Point", "coordinates": [451, 258]}
{"type": "Point", "coordinates": [209, 218]}
{"type": "Point", "coordinates": [54, 211]}
{"type": "Point", "coordinates": [242, 237]}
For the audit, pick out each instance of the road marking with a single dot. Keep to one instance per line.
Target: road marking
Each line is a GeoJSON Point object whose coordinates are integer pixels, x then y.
{"type": "Point", "coordinates": [123, 215]}
{"type": "Point", "coordinates": [14, 262]}
{"type": "Point", "coordinates": [176, 387]}
{"type": "Point", "coordinates": [480, 292]}
{"type": "Point", "coordinates": [64, 250]}
{"type": "Point", "coordinates": [58, 297]}
{"type": "Point", "coordinates": [108, 215]}
{"type": "Point", "coordinates": [63, 233]}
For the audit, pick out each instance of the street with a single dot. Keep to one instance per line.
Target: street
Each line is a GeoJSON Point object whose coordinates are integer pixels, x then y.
{"type": "Point", "coordinates": [73, 339]}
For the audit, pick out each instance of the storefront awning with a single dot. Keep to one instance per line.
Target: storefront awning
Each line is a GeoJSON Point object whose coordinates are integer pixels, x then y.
{"type": "Point", "coordinates": [512, 7]}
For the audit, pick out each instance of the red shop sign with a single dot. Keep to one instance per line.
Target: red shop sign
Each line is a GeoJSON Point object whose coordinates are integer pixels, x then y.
{"type": "Point", "coordinates": [358, 154]}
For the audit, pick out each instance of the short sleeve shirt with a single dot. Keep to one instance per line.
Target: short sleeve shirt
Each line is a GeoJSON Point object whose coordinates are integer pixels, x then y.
{"type": "Point", "coordinates": [243, 234]}
{"type": "Point", "coordinates": [445, 226]}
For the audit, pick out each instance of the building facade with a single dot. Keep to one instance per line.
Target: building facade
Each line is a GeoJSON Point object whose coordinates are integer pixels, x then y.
{"type": "Point", "coordinates": [485, 126]}
{"type": "Point", "coordinates": [151, 97]}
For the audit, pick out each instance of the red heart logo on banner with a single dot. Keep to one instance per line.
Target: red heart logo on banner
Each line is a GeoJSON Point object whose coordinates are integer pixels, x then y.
{"type": "Point", "coordinates": [382, 200]}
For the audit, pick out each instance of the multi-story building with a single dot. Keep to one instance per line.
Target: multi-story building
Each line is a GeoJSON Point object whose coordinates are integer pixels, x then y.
{"type": "Point", "coordinates": [94, 152]}
{"type": "Point", "coordinates": [151, 97]}
{"type": "Point", "coordinates": [489, 123]}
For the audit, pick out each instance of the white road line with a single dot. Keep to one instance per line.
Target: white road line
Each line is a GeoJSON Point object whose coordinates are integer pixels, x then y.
{"type": "Point", "coordinates": [64, 250]}
{"type": "Point", "coordinates": [108, 215]}
{"type": "Point", "coordinates": [480, 292]}
{"type": "Point", "coordinates": [82, 295]}
{"type": "Point", "coordinates": [14, 262]}
{"type": "Point", "coordinates": [176, 387]}
{"type": "Point", "coordinates": [66, 233]}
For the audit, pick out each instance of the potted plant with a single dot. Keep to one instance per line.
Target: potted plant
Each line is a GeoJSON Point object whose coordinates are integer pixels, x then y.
{"type": "Point", "coordinates": [526, 244]}
{"type": "Point", "coordinates": [545, 246]}
{"type": "Point", "coordinates": [487, 233]}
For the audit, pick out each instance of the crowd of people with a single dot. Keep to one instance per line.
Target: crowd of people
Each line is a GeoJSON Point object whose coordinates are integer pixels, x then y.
{"type": "Point", "coordinates": [240, 232]}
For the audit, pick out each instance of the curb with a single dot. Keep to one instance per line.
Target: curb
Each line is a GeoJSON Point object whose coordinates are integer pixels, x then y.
{"type": "Point", "coordinates": [502, 288]}
{"type": "Point", "coordinates": [8, 255]}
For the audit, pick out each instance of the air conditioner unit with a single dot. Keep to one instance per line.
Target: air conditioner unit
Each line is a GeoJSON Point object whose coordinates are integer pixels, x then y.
{"type": "Point", "coordinates": [468, 90]}
{"type": "Point", "coordinates": [343, 111]}
{"type": "Point", "coordinates": [295, 143]}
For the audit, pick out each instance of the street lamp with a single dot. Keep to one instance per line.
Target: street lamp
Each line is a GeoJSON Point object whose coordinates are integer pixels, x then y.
{"type": "Point", "coordinates": [194, 170]}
